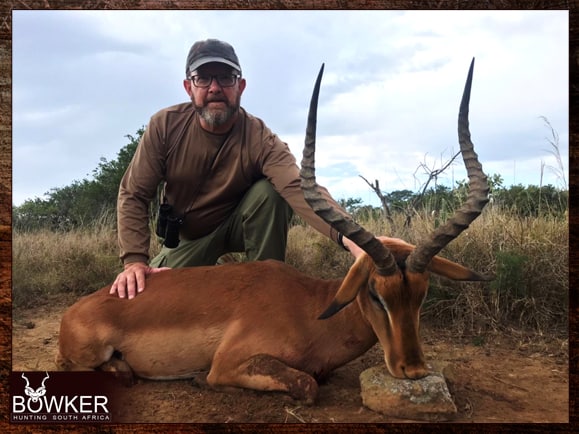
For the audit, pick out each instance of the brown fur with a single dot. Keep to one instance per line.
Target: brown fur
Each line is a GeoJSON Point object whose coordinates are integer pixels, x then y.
{"type": "Point", "coordinates": [252, 325]}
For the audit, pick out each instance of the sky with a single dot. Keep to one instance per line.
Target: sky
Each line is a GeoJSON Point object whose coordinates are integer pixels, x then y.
{"type": "Point", "coordinates": [84, 80]}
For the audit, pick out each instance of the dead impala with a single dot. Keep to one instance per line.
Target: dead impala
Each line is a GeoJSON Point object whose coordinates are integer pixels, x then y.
{"type": "Point", "coordinates": [258, 325]}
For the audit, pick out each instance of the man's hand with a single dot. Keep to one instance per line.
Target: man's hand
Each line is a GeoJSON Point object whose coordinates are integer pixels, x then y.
{"type": "Point", "coordinates": [352, 247]}
{"type": "Point", "coordinates": [132, 280]}
{"type": "Point", "coordinates": [357, 251]}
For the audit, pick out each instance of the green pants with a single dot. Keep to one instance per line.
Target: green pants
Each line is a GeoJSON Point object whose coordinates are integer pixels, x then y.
{"type": "Point", "coordinates": [258, 227]}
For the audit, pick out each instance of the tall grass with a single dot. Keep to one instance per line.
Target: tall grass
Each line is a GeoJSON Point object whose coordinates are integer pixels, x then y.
{"type": "Point", "coordinates": [528, 256]}
{"type": "Point", "coordinates": [529, 259]}
{"type": "Point", "coordinates": [46, 263]}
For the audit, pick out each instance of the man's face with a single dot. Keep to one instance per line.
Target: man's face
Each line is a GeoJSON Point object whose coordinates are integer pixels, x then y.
{"type": "Point", "coordinates": [217, 104]}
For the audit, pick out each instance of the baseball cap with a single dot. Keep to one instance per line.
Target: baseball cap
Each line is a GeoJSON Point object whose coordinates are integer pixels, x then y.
{"type": "Point", "coordinates": [211, 50]}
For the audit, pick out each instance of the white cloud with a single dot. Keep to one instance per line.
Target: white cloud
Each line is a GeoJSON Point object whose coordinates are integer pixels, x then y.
{"type": "Point", "coordinates": [389, 99]}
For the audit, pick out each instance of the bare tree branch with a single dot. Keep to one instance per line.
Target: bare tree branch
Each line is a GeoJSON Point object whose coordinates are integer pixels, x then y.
{"type": "Point", "coordinates": [383, 200]}
{"type": "Point", "coordinates": [432, 174]}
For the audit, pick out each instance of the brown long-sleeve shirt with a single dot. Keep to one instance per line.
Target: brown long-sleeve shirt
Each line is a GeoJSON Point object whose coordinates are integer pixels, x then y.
{"type": "Point", "coordinates": [205, 175]}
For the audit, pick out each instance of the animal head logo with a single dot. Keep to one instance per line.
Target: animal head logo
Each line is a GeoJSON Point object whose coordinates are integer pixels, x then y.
{"type": "Point", "coordinates": [35, 394]}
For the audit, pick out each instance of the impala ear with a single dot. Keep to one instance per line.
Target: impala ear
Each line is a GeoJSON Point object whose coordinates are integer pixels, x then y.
{"type": "Point", "coordinates": [356, 278]}
{"type": "Point", "coordinates": [452, 270]}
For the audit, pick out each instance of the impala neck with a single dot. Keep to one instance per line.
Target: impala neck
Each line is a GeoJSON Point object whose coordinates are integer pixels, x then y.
{"type": "Point", "coordinates": [342, 337]}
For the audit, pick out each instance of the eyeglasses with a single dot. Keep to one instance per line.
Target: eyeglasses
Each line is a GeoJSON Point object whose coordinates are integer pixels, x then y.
{"type": "Point", "coordinates": [204, 81]}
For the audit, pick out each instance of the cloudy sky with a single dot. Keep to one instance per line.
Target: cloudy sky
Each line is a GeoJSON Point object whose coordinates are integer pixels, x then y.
{"type": "Point", "coordinates": [83, 80]}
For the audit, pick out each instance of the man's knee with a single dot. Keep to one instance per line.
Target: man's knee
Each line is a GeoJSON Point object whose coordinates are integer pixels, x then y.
{"type": "Point", "coordinates": [263, 193]}
{"type": "Point", "coordinates": [264, 218]}
{"type": "Point", "coordinates": [264, 188]}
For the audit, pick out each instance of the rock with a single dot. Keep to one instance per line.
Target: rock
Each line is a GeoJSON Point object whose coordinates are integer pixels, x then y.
{"type": "Point", "coordinates": [425, 399]}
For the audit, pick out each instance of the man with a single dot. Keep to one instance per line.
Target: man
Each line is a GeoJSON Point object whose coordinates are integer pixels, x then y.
{"type": "Point", "coordinates": [230, 184]}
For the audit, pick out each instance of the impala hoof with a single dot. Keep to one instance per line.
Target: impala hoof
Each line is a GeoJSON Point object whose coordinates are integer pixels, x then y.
{"type": "Point", "coordinates": [304, 389]}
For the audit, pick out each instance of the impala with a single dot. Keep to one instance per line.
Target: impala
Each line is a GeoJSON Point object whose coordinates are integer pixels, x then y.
{"type": "Point", "coordinates": [258, 325]}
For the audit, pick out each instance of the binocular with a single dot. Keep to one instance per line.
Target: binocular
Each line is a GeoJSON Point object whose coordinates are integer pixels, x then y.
{"type": "Point", "coordinates": [168, 226]}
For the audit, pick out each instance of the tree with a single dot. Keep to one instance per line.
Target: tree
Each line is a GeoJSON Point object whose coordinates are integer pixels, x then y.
{"type": "Point", "coordinates": [418, 200]}
{"type": "Point", "coordinates": [81, 202]}
{"type": "Point", "coordinates": [351, 205]}
{"type": "Point", "coordinates": [383, 199]}
{"type": "Point", "coordinates": [108, 174]}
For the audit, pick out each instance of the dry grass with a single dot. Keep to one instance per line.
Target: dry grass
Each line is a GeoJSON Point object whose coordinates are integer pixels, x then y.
{"type": "Point", "coordinates": [46, 263]}
{"type": "Point", "coordinates": [528, 256]}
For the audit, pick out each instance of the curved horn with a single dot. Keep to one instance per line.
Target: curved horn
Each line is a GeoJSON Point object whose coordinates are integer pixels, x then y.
{"type": "Point", "coordinates": [26, 379]}
{"type": "Point", "coordinates": [476, 200]}
{"type": "Point", "coordinates": [382, 257]}
{"type": "Point", "coordinates": [45, 378]}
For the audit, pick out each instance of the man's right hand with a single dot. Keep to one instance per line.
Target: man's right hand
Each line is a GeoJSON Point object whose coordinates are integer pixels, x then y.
{"type": "Point", "coordinates": [132, 280]}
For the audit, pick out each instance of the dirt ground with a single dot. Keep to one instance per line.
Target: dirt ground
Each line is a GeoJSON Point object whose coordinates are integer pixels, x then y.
{"type": "Point", "coordinates": [506, 380]}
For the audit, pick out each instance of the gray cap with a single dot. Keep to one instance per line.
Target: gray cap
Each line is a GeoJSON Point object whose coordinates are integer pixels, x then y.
{"type": "Point", "coordinates": [211, 50]}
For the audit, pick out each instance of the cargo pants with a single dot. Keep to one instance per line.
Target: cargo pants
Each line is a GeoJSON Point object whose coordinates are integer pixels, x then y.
{"type": "Point", "coordinates": [258, 227]}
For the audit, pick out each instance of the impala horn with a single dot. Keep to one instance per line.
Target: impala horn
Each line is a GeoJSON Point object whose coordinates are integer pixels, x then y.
{"type": "Point", "coordinates": [382, 257]}
{"type": "Point", "coordinates": [476, 200]}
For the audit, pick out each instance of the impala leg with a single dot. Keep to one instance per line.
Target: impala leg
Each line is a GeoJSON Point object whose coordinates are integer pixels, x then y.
{"type": "Point", "coordinates": [264, 372]}
{"type": "Point", "coordinates": [120, 369]}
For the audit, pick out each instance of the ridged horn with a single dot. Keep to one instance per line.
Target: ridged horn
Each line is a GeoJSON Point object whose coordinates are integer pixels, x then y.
{"type": "Point", "coordinates": [381, 256]}
{"type": "Point", "coordinates": [476, 199]}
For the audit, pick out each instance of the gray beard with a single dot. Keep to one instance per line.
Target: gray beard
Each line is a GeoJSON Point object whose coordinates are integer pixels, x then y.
{"type": "Point", "coordinates": [216, 118]}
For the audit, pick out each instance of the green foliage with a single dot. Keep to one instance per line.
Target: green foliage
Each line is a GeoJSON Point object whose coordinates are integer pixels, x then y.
{"type": "Point", "coordinates": [351, 205]}
{"type": "Point", "coordinates": [532, 201]}
{"type": "Point", "coordinates": [358, 211]}
{"type": "Point", "coordinates": [516, 200]}
{"type": "Point", "coordinates": [510, 274]}
{"type": "Point", "coordinates": [399, 199]}
{"type": "Point", "coordinates": [367, 213]}
{"type": "Point", "coordinates": [81, 203]}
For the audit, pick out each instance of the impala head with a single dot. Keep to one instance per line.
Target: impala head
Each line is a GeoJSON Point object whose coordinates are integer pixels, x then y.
{"type": "Point", "coordinates": [391, 280]}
